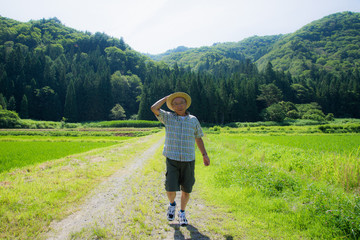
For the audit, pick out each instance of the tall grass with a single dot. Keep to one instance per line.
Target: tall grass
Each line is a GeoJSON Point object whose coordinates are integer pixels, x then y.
{"type": "Point", "coordinates": [287, 188]}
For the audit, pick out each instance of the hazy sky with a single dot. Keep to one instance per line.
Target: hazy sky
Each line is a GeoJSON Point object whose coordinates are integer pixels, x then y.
{"type": "Point", "coordinates": [154, 26]}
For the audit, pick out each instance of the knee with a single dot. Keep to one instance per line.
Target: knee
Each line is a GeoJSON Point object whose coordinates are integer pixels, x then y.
{"type": "Point", "coordinates": [185, 194]}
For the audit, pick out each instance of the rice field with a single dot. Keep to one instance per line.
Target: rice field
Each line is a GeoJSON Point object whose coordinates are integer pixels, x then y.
{"type": "Point", "coordinates": [342, 144]}
{"type": "Point", "coordinates": [21, 148]}
{"type": "Point", "coordinates": [285, 186]}
{"type": "Point", "coordinates": [19, 154]}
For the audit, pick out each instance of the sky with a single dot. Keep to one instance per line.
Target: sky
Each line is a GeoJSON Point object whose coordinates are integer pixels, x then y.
{"type": "Point", "coordinates": [155, 26]}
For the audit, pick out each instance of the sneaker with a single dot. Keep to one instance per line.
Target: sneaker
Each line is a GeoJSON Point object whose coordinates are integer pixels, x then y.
{"type": "Point", "coordinates": [182, 219]}
{"type": "Point", "coordinates": [171, 213]}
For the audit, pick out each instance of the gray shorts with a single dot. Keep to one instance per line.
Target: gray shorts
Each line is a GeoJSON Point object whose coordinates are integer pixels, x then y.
{"type": "Point", "coordinates": [179, 175]}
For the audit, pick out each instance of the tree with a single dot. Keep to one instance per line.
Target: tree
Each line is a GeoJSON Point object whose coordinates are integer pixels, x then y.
{"type": "Point", "coordinates": [270, 94]}
{"type": "Point", "coordinates": [24, 110]}
{"type": "Point", "coordinates": [117, 112]}
{"type": "Point", "coordinates": [301, 93]}
{"type": "Point", "coordinates": [3, 101]}
{"type": "Point", "coordinates": [47, 104]}
{"type": "Point", "coordinates": [275, 113]}
{"type": "Point", "coordinates": [12, 104]}
{"type": "Point", "coordinates": [70, 109]}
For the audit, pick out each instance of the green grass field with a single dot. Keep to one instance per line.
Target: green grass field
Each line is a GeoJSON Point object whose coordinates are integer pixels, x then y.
{"type": "Point", "coordinates": [21, 148]}
{"type": "Point", "coordinates": [276, 182]}
{"type": "Point", "coordinates": [288, 186]}
{"type": "Point", "coordinates": [24, 153]}
{"type": "Point", "coordinates": [341, 144]}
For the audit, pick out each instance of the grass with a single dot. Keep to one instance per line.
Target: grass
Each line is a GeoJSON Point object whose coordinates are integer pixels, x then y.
{"type": "Point", "coordinates": [264, 182]}
{"type": "Point", "coordinates": [283, 186]}
{"type": "Point", "coordinates": [340, 144]}
{"type": "Point", "coordinates": [33, 196]}
{"type": "Point", "coordinates": [19, 154]}
{"type": "Point", "coordinates": [20, 148]}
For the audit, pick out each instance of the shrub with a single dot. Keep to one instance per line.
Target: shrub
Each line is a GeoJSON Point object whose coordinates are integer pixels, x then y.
{"type": "Point", "coordinates": [293, 114]}
{"type": "Point", "coordinates": [125, 123]}
{"type": "Point", "coordinates": [9, 119]}
{"type": "Point", "coordinates": [215, 129]}
{"type": "Point", "coordinates": [275, 113]}
{"type": "Point", "coordinates": [347, 128]}
{"type": "Point", "coordinates": [329, 117]}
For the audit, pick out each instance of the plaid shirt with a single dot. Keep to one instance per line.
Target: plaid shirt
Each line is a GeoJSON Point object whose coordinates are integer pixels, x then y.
{"type": "Point", "coordinates": [180, 135]}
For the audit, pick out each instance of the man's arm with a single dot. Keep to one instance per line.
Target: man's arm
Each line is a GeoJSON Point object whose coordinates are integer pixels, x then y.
{"type": "Point", "coordinates": [201, 146]}
{"type": "Point", "coordinates": [155, 108]}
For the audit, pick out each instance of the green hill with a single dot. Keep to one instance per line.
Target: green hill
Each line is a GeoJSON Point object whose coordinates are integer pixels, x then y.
{"type": "Point", "coordinates": [331, 44]}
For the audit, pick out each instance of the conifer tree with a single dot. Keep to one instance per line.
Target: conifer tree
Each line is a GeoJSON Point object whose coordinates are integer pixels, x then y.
{"type": "Point", "coordinates": [24, 110]}
{"type": "Point", "coordinates": [12, 104]}
{"type": "Point", "coordinates": [70, 109]}
{"type": "Point", "coordinates": [3, 101]}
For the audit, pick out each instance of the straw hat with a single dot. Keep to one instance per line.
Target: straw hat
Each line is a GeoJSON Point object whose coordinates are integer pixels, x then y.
{"type": "Point", "coordinates": [176, 95]}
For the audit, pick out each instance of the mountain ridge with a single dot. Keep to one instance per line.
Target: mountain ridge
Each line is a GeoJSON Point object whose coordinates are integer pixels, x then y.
{"type": "Point", "coordinates": [305, 47]}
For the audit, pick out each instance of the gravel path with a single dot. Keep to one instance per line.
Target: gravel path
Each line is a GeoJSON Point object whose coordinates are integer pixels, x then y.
{"type": "Point", "coordinates": [102, 201]}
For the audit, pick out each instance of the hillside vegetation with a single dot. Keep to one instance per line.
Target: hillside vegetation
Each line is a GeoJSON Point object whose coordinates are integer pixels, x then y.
{"type": "Point", "coordinates": [51, 72]}
{"type": "Point", "coordinates": [330, 44]}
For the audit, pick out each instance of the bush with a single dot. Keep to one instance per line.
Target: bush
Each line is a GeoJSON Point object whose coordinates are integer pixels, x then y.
{"type": "Point", "coordinates": [9, 119]}
{"type": "Point", "coordinates": [329, 117]}
{"type": "Point", "coordinates": [347, 128]}
{"type": "Point", "coordinates": [215, 129]}
{"type": "Point", "coordinates": [293, 114]}
{"type": "Point", "coordinates": [275, 113]}
{"type": "Point", "coordinates": [33, 124]}
{"type": "Point", "coordinates": [126, 123]}
{"type": "Point", "coordinates": [314, 114]}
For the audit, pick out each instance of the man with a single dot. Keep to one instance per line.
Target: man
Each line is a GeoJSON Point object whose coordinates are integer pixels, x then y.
{"type": "Point", "coordinates": [182, 131]}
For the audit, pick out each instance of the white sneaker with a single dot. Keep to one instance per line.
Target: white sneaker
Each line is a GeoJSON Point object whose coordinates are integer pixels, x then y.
{"type": "Point", "coordinates": [182, 219]}
{"type": "Point", "coordinates": [171, 213]}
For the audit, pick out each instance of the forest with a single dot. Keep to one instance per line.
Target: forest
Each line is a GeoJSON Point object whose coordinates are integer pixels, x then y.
{"type": "Point", "coordinates": [52, 72]}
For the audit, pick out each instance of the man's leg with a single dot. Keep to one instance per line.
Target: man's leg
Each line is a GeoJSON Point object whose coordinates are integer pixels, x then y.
{"type": "Point", "coordinates": [184, 199]}
{"type": "Point", "coordinates": [171, 196]}
{"type": "Point", "coordinates": [172, 206]}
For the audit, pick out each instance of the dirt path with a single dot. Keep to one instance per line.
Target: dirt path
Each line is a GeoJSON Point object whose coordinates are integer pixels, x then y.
{"type": "Point", "coordinates": [102, 202]}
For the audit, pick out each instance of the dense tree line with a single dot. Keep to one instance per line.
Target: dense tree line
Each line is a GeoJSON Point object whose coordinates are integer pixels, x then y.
{"type": "Point", "coordinates": [245, 94]}
{"type": "Point", "coordinates": [48, 72]}
{"type": "Point", "coordinates": [51, 72]}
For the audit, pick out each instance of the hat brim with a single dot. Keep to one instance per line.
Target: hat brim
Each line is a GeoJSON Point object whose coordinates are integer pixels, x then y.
{"type": "Point", "coordinates": [176, 95]}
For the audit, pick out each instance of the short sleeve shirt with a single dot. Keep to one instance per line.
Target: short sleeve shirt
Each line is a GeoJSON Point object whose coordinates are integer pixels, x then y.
{"type": "Point", "coordinates": [180, 135]}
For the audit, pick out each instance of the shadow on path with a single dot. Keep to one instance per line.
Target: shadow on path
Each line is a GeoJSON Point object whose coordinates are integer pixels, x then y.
{"type": "Point", "coordinates": [194, 232]}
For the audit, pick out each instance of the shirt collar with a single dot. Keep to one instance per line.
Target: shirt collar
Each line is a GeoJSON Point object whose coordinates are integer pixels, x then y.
{"type": "Point", "coordinates": [178, 116]}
